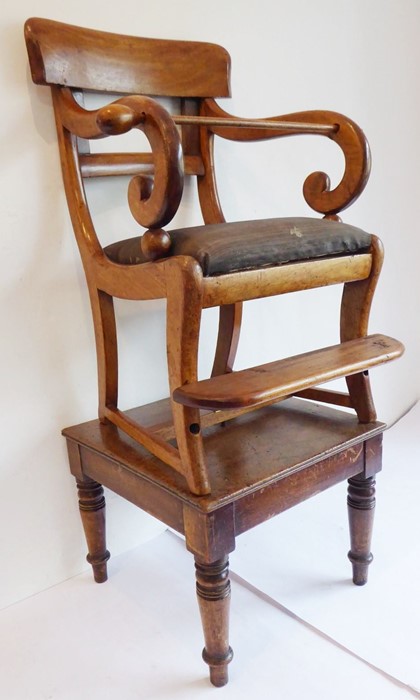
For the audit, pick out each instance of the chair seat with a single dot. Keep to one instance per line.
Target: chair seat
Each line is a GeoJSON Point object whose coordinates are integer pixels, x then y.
{"type": "Point", "coordinates": [247, 245]}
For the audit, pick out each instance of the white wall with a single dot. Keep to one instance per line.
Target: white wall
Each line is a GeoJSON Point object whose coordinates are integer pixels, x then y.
{"type": "Point", "coordinates": [361, 58]}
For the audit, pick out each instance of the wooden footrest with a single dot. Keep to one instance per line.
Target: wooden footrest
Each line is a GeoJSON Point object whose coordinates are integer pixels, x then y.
{"type": "Point", "coordinates": [276, 380]}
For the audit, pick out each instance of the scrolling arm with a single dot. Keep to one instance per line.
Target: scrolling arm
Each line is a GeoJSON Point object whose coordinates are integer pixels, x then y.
{"type": "Point", "coordinates": [153, 200]}
{"type": "Point", "coordinates": [343, 131]}
{"type": "Point", "coordinates": [316, 189]}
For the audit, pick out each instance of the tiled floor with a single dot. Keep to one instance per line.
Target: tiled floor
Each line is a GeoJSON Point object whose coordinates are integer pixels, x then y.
{"type": "Point", "coordinates": [298, 627]}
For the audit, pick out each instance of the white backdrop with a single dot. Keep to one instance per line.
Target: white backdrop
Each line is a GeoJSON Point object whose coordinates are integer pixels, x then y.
{"type": "Point", "coordinates": [358, 58]}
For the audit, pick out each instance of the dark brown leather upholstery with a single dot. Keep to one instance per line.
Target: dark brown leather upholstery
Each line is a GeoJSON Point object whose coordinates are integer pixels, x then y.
{"type": "Point", "coordinates": [247, 245]}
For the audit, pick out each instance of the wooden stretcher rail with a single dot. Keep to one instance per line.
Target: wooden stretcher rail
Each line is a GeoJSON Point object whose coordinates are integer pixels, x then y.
{"type": "Point", "coordinates": [152, 442]}
{"type": "Point", "coordinates": [109, 164]}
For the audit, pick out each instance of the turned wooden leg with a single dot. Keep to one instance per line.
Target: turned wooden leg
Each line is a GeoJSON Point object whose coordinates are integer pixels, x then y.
{"type": "Point", "coordinates": [361, 509]}
{"type": "Point", "coordinates": [92, 512]}
{"type": "Point", "coordinates": [213, 592]}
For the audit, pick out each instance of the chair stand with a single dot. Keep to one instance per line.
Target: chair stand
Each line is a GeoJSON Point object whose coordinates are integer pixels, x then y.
{"type": "Point", "coordinates": [275, 457]}
{"type": "Point", "coordinates": [227, 452]}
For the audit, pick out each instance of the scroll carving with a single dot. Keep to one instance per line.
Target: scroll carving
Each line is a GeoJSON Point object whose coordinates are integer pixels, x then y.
{"type": "Point", "coordinates": [153, 201]}
{"type": "Point", "coordinates": [316, 188]}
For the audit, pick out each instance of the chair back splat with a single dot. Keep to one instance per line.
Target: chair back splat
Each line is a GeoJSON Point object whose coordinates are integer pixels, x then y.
{"type": "Point", "coordinates": [227, 452]}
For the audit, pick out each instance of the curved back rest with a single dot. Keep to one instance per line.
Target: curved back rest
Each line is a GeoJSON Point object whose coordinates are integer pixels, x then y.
{"type": "Point", "coordinates": [73, 59]}
{"type": "Point", "coordinates": [62, 54]}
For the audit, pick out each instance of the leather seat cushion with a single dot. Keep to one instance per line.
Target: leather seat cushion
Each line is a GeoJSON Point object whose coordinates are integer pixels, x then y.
{"type": "Point", "coordinates": [247, 245]}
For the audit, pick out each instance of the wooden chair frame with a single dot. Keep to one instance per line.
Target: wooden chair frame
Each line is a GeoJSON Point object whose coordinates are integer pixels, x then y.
{"type": "Point", "coordinates": [183, 145]}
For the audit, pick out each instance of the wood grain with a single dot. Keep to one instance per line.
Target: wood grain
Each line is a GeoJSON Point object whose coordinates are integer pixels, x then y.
{"type": "Point", "coordinates": [115, 164]}
{"type": "Point", "coordinates": [356, 304]}
{"type": "Point", "coordinates": [124, 64]}
{"type": "Point", "coordinates": [285, 377]}
{"type": "Point", "coordinates": [72, 59]}
{"type": "Point", "coordinates": [209, 474]}
{"type": "Point", "coordinates": [281, 279]}
{"type": "Point", "coordinates": [316, 189]}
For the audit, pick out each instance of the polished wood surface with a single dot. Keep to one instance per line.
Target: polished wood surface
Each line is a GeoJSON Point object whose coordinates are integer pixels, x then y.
{"type": "Point", "coordinates": [356, 304]}
{"type": "Point", "coordinates": [213, 594]}
{"type": "Point", "coordinates": [285, 377]}
{"type": "Point", "coordinates": [251, 284]}
{"type": "Point", "coordinates": [260, 464]}
{"type": "Point", "coordinates": [71, 59]}
{"type": "Point", "coordinates": [60, 53]}
{"type": "Point", "coordinates": [211, 474]}
{"type": "Point", "coordinates": [233, 450]}
{"type": "Point", "coordinates": [92, 512]}
{"type": "Point", "coordinates": [361, 509]}
{"type": "Point", "coordinates": [316, 189]}
{"type": "Point", "coordinates": [100, 165]}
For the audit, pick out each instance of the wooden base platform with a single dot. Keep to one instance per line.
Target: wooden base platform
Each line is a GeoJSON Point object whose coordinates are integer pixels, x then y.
{"type": "Point", "coordinates": [260, 464]}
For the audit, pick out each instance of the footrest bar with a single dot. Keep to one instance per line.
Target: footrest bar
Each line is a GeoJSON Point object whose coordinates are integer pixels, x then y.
{"type": "Point", "coordinates": [276, 380]}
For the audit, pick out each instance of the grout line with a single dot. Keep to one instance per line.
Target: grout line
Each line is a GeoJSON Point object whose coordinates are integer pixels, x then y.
{"type": "Point", "coordinates": [275, 603]}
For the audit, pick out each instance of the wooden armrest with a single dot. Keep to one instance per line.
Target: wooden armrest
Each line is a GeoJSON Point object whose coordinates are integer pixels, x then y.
{"type": "Point", "coordinates": [316, 188]}
{"type": "Point", "coordinates": [282, 378]}
{"type": "Point", "coordinates": [277, 124]}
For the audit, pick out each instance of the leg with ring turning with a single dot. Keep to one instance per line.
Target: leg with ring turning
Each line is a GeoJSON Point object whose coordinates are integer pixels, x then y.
{"type": "Point", "coordinates": [213, 592]}
{"type": "Point", "coordinates": [361, 508]}
{"type": "Point", "coordinates": [92, 512]}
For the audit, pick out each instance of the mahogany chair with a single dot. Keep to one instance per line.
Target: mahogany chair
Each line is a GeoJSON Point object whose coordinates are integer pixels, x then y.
{"type": "Point", "coordinates": [191, 460]}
